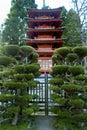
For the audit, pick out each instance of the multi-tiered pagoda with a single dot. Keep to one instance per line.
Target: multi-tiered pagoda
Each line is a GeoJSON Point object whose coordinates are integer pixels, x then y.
{"type": "Point", "coordinates": [44, 34]}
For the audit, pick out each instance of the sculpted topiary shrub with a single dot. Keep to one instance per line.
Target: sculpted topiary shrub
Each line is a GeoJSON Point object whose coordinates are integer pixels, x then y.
{"type": "Point", "coordinates": [18, 83]}
{"type": "Point", "coordinates": [69, 86]}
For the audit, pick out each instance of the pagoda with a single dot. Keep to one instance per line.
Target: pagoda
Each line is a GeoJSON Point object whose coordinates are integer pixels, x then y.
{"type": "Point", "coordinates": [44, 34]}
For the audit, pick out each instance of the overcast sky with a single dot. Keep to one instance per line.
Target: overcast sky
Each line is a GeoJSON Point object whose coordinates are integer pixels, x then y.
{"type": "Point", "coordinates": [6, 4]}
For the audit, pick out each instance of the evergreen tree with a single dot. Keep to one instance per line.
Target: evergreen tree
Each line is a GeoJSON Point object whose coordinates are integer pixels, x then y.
{"type": "Point", "coordinates": [69, 85]}
{"type": "Point", "coordinates": [72, 30]}
{"type": "Point", "coordinates": [17, 83]}
{"type": "Point", "coordinates": [14, 26]}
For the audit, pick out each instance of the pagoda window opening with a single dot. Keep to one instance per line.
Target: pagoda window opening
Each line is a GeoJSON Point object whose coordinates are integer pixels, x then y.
{"type": "Point", "coordinates": [45, 64]}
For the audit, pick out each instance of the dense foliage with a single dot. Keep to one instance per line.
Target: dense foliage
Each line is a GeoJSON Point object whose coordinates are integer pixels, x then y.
{"type": "Point", "coordinates": [14, 26]}
{"type": "Point", "coordinates": [72, 28]}
{"type": "Point", "coordinates": [17, 85]}
{"type": "Point", "coordinates": [69, 86]}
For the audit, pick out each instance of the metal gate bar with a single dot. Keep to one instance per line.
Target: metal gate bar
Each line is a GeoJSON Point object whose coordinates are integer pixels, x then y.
{"type": "Point", "coordinates": [43, 92]}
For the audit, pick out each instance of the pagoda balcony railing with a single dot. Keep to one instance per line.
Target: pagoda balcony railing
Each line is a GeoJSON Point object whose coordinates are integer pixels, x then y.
{"type": "Point", "coordinates": [46, 27]}
{"type": "Point", "coordinates": [44, 20]}
{"type": "Point", "coordinates": [43, 29]}
{"type": "Point", "coordinates": [40, 18]}
{"type": "Point", "coordinates": [45, 50]}
{"type": "Point", "coordinates": [45, 39]}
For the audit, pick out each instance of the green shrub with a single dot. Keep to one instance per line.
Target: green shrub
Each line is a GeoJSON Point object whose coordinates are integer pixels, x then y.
{"type": "Point", "coordinates": [5, 60]}
{"type": "Point", "coordinates": [11, 50]}
{"type": "Point", "coordinates": [80, 77]}
{"type": "Point", "coordinates": [35, 56]}
{"type": "Point", "coordinates": [26, 50]}
{"type": "Point", "coordinates": [71, 57]}
{"type": "Point", "coordinates": [13, 109]}
{"type": "Point", "coordinates": [63, 114]}
{"type": "Point", "coordinates": [27, 111]}
{"type": "Point", "coordinates": [81, 117]}
{"type": "Point", "coordinates": [60, 69]}
{"type": "Point", "coordinates": [81, 51]}
{"type": "Point", "coordinates": [54, 96]}
{"type": "Point", "coordinates": [70, 88]}
{"type": "Point", "coordinates": [24, 77]}
{"type": "Point", "coordinates": [31, 68]}
{"type": "Point", "coordinates": [19, 69]}
{"type": "Point", "coordinates": [63, 51]}
{"type": "Point", "coordinates": [56, 81]}
{"type": "Point", "coordinates": [55, 89]}
{"type": "Point", "coordinates": [61, 101]}
{"type": "Point", "coordinates": [6, 97]}
{"type": "Point", "coordinates": [2, 108]}
{"type": "Point", "coordinates": [77, 103]}
{"type": "Point", "coordinates": [54, 58]}
{"type": "Point", "coordinates": [32, 84]}
{"type": "Point", "coordinates": [76, 70]}
{"type": "Point", "coordinates": [85, 88]}
{"type": "Point", "coordinates": [54, 109]}
{"type": "Point", "coordinates": [15, 85]}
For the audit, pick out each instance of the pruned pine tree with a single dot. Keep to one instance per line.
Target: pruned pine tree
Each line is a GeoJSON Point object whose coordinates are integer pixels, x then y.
{"type": "Point", "coordinates": [69, 86]}
{"type": "Point", "coordinates": [17, 83]}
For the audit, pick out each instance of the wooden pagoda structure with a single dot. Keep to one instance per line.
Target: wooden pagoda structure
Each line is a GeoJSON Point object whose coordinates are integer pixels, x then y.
{"type": "Point", "coordinates": [44, 34]}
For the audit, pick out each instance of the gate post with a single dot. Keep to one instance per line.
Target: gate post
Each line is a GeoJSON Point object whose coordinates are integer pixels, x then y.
{"type": "Point", "coordinates": [46, 94]}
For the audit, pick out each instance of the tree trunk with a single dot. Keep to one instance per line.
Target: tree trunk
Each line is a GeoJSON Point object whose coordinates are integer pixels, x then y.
{"type": "Point", "coordinates": [15, 119]}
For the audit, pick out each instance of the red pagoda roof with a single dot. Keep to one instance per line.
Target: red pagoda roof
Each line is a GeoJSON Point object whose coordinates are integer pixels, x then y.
{"type": "Point", "coordinates": [37, 12]}
{"type": "Point", "coordinates": [35, 22]}
{"type": "Point", "coordinates": [39, 41]}
{"type": "Point", "coordinates": [35, 32]}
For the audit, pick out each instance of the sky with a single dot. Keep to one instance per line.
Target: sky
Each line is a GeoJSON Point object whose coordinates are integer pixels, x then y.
{"type": "Point", "coordinates": [6, 4]}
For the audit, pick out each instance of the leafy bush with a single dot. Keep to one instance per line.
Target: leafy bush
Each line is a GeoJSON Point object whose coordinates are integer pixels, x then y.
{"type": "Point", "coordinates": [70, 88]}
{"type": "Point", "coordinates": [32, 84]}
{"type": "Point", "coordinates": [13, 109]}
{"type": "Point", "coordinates": [63, 51]}
{"type": "Point", "coordinates": [31, 68]}
{"type": "Point", "coordinates": [61, 101]}
{"type": "Point", "coordinates": [81, 117]}
{"type": "Point", "coordinates": [35, 56]}
{"type": "Point", "coordinates": [76, 70]}
{"type": "Point", "coordinates": [71, 57]}
{"type": "Point", "coordinates": [85, 88]}
{"type": "Point", "coordinates": [81, 51]}
{"type": "Point", "coordinates": [6, 97]}
{"type": "Point", "coordinates": [11, 50]}
{"type": "Point", "coordinates": [19, 69]}
{"type": "Point", "coordinates": [60, 69]}
{"type": "Point", "coordinates": [55, 89]}
{"type": "Point", "coordinates": [24, 77]}
{"type": "Point", "coordinates": [5, 60]}
{"type": "Point", "coordinates": [54, 58]}
{"type": "Point", "coordinates": [80, 77]}
{"type": "Point", "coordinates": [26, 50]}
{"type": "Point", "coordinates": [28, 111]}
{"type": "Point", "coordinates": [15, 85]}
{"type": "Point", "coordinates": [56, 81]}
{"type": "Point", "coordinates": [77, 103]}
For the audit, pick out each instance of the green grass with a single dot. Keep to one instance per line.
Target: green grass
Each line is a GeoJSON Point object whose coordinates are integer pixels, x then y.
{"type": "Point", "coordinates": [8, 126]}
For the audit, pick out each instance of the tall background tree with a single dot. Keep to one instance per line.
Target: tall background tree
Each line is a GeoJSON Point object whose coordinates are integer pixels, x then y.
{"type": "Point", "coordinates": [80, 6]}
{"type": "Point", "coordinates": [14, 26]}
{"type": "Point", "coordinates": [71, 23]}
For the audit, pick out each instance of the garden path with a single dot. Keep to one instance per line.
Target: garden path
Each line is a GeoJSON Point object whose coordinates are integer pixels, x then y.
{"type": "Point", "coordinates": [44, 122]}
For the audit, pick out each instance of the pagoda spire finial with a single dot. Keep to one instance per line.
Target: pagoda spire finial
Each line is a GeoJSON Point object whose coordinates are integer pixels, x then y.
{"type": "Point", "coordinates": [43, 3]}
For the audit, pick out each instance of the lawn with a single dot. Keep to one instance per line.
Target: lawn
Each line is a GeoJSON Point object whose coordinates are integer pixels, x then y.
{"type": "Point", "coordinates": [21, 126]}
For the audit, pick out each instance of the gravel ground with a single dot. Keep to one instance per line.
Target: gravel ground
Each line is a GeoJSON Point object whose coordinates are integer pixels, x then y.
{"type": "Point", "coordinates": [44, 122]}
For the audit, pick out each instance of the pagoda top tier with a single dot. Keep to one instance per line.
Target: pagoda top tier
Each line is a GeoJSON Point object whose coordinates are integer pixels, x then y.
{"type": "Point", "coordinates": [50, 12]}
